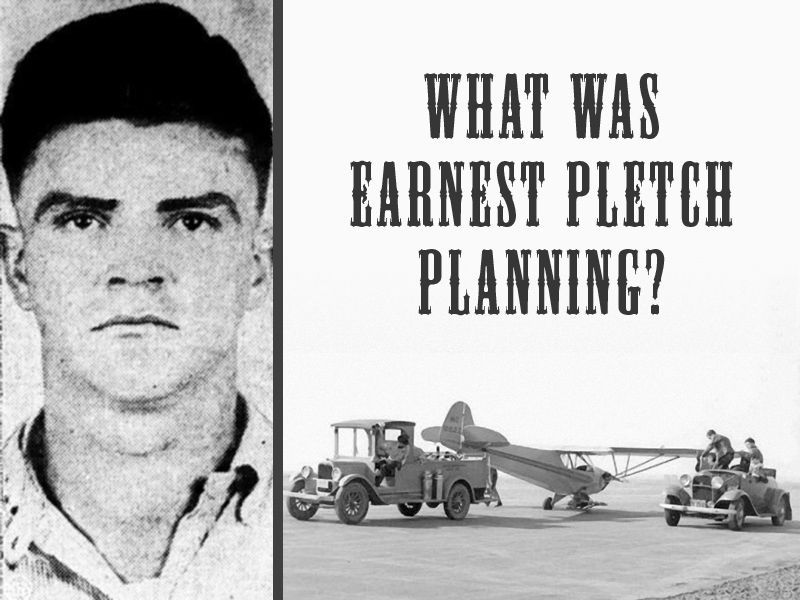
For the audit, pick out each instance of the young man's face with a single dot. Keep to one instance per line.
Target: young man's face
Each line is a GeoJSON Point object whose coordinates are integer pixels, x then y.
{"type": "Point", "coordinates": [140, 254]}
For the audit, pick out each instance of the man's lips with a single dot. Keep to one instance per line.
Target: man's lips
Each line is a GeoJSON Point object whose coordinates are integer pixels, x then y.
{"type": "Point", "coordinates": [127, 320]}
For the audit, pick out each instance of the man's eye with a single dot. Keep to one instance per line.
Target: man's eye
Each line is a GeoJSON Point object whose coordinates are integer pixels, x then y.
{"type": "Point", "coordinates": [80, 221]}
{"type": "Point", "coordinates": [194, 221]}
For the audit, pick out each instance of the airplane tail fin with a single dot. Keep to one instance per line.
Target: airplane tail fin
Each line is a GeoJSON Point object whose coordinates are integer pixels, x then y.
{"type": "Point", "coordinates": [459, 431]}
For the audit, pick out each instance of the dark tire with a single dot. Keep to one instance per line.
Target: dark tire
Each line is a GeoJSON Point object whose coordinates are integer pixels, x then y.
{"type": "Point", "coordinates": [548, 503]}
{"type": "Point", "coordinates": [352, 503]}
{"type": "Point", "coordinates": [736, 520]}
{"type": "Point", "coordinates": [432, 504]}
{"type": "Point", "coordinates": [409, 509]}
{"type": "Point", "coordinates": [672, 517]}
{"type": "Point", "coordinates": [783, 508]}
{"type": "Point", "coordinates": [302, 511]}
{"type": "Point", "coordinates": [456, 506]}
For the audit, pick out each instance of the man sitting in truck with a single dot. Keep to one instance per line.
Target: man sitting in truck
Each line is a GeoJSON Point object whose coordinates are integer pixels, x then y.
{"type": "Point", "coordinates": [391, 459]}
{"type": "Point", "coordinates": [756, 459]}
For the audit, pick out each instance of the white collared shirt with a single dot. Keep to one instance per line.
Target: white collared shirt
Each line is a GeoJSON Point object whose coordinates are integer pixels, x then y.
{"type": "Point", "coordinates": [215, 553]}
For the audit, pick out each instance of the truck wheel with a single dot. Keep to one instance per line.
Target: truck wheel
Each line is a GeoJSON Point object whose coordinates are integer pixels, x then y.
{"type": "Point", "coordinates": [456, 506]}
{"type": "Point", "coordinates": [432, 504]}
{"type": "Point", "coordinates": [409, 509]}
{"type": "Point", "coordinates": [736, 520]}
{"type": "Point", "coordinates": [352, 503]}
{"type": "Point", "coordinates": [300, 510]}
{"type": "Point", "coordinates": [672, 517]}
{"type": "Point", "coordinates": [548, 503]}
{"type": "Point", "coordinates": [780, 517]}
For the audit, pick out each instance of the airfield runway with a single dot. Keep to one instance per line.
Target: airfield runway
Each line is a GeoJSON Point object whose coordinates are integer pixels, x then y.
{"type": "Point", "coordinates": [620, 551]}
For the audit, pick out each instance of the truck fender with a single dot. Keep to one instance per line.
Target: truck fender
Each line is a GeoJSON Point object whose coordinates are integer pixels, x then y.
{"type": "Point", "coordinates": [466, 483]}
{"type": "Point", "coordinates": [732, 496]}
{"type": "Point", "coordinates": [373, 495]}
{"type": "Point", "coordinates": [678, 491]}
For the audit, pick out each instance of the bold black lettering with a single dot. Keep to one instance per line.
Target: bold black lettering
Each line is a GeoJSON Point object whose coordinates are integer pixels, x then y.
{"type": "Point", "coordinates": [649, 106]}
{"type": "Point", "coordinates": [690, 170]}
{"type": "Point", "coordinates": [389, 196]}
{"type": "Point", "coordinates": [426, 278]}
{"type": "Point", "coordinates": [479, 194]}
{"type": "Point", "coordinates": [487, 284]}
{"type": "Point", "coordinates": [548, 277]}
{"type": "Point", "coordinates": [632, 193]}
{"type": "Point", "coordinates": [660, 175]}
{"type": "Point", "coordinates": [602, 196]}
{"type": "Point", "coordinates": [485, 105]}
{"type": "Point", "coordinates": [724, 193]}
{"type": "Point", "coordinates": [536, 83]}
{"type": "Point", "coordinates": [511, 108]}
{"type": "Point", "coordinates": [450, 186]}
{"type": "Point", "coordinates": [590, 103]}
{"type": "Point", "coordinates": [574, 193]}
{"type": "Point", "coordinates": [518, 274]}
{"type": "Point", "coordinates": [505, 193]}
{"type": "Point", "coordinates": [624, 290]}
{"type": "Point", "coordinates": [597, 277]}
{"type": "Point", "coordinates": [455, 256]}
{"type": "Point", "coordinates": [621, 108]}
{"type": "Point", "coordinates": [533, 171]}
{"type": "Point", "coordinates": [443, 106]}
{"type": "Point", "coordinates": [360, 194]}
{"type": "Point", "coordinates": [415, 192]}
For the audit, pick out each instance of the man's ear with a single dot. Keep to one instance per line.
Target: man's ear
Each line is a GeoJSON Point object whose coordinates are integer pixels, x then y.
{"type": "Point", "coordinates": [12, 247]}
{"type": "Point", "coordinates": [261, 283]}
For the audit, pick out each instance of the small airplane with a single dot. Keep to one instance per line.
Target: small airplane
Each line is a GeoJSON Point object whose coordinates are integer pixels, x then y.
{"type": "Point", "coordinates": [563, 471]}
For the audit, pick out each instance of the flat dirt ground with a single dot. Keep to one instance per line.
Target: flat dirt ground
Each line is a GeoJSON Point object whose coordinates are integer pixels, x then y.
{"type": "Point", "coordinates": [622, 550]}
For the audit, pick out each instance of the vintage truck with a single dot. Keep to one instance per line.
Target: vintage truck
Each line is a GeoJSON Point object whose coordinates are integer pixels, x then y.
{"type": "Point", "coordinates": [351, 481]}
{"type": "Point", "coordinates": [727, 495]}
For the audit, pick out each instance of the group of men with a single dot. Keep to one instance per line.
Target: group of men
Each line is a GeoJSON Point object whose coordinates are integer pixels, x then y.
{"type": "Point", "coordinates": [720, 453]}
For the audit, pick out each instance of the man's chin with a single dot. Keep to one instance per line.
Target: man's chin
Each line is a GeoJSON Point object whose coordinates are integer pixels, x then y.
{"type": "Point", "coordinates": [135, 393]}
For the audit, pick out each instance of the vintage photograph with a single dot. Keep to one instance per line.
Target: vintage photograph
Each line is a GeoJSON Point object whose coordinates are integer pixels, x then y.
{"type": "Point", "coordinates": [137, 299]}
{"type": "Point", "coordinates": [541, 308]}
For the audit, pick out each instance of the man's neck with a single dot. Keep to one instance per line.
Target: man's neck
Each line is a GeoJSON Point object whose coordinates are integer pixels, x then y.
{"type": "Point", "coordinates": [124, 475]}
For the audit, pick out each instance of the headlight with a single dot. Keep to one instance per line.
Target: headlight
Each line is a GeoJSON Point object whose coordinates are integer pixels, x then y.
{"type": "Point", "coordinates": [306, 472]}
{"type": "Point", "coordinates": [336, 475]}
{"type": "Point", "coordinates": [686, 480]}
{"type": "Point", "coordinates": [717, 482]}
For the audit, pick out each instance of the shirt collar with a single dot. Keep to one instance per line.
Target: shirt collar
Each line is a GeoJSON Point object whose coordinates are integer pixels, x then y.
{"type": "Point", "coordinates": [28, 514]}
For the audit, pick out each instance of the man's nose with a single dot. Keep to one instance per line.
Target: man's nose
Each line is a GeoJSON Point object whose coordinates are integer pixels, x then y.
{"type": "Point", "coordinates": [139, 263]}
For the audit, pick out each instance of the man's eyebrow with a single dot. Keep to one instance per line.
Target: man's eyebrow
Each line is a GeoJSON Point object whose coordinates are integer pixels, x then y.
{"type": "Point", "coordinates": [61, 198]}
{"type": "Point", "coordinates": [209, 200]}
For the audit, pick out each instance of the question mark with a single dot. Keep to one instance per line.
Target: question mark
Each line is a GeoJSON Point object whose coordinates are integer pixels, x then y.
{"type": "Point", "coordinates": [657, 279]}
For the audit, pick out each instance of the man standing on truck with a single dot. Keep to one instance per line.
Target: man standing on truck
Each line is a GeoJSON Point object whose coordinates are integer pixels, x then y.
{"type": "Point", "coordinates": [721, 446]}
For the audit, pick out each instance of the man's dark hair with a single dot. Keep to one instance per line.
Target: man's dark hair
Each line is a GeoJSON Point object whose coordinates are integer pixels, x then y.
{"type": "Point", "coordinates": [149, 64]}
{"type": "Point", "coordinates": [711, 432]}
{"type": "Point", "coordinates": [751, 440]}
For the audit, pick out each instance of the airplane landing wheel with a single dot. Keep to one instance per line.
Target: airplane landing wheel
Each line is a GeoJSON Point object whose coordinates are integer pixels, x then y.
{"type": "Point", "coordinates": [548, 503]}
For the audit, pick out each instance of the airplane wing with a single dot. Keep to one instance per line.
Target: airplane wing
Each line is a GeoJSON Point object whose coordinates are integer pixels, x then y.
{"type": "Point", "coordinates": [540, 467]}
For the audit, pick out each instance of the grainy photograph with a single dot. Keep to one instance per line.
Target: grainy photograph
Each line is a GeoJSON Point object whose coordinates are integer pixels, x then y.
{"type": "Point", "coordinates": [137, 299]}
{"type": "Point", "coordinates": [540, 328]}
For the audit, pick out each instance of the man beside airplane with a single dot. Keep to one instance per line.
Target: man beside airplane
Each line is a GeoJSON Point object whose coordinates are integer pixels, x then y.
{"type": "Point", "coordinates": [721, 447]}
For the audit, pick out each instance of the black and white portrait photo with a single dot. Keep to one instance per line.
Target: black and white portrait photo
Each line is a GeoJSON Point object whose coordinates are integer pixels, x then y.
{"type": "Point", "coordinates": [137, 300]}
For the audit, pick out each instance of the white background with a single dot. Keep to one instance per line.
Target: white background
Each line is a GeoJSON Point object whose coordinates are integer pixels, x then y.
{"type": "Point", "coordinates": [723, 352]}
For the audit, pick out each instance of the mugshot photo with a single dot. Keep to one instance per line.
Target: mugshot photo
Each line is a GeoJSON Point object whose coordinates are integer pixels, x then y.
{"type": "Point", "coordinates": [136, 208]}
